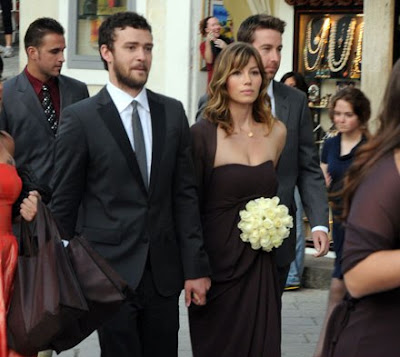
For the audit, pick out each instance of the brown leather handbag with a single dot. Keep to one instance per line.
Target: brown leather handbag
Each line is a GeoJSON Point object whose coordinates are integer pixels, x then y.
{"type": "Point", "coordinates": [61, 293]}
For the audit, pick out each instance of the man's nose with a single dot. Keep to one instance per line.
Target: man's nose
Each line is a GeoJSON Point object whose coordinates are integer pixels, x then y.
{"type": "Point", "coordinates": [275, 55]}
{"type": "Point", "coordinates": [61, 57]}
{"type": "Point", "coordinates": [140, 54]}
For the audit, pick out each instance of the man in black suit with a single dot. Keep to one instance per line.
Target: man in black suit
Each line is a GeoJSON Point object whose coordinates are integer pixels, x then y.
{"type": "Point", "coordinates": [22, 113]}
{"type": "Point", "coordinates": [299, 162]}
{"type": "Point", "coordinates": [125, 156]}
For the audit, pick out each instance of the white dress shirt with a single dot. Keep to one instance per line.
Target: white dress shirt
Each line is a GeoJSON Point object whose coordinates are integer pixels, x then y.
{"type": "Point", "coordinates": [123, 102]}
{"type": "Point", "coordinates": [270, 91]}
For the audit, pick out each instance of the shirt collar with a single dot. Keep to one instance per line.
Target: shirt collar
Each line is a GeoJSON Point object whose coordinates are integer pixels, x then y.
{"type": "Point", "coordinates": [122, 99]}
{"type": "Point", "coordinates": [270, 89]}
{"type": "Point", "coordinates": [37, 84]}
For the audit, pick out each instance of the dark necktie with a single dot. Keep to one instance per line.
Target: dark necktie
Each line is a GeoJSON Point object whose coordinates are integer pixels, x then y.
{"type": "Point", "coordinates": [48, 108]}
{"type": "Point", "coordinates": [140, 147]}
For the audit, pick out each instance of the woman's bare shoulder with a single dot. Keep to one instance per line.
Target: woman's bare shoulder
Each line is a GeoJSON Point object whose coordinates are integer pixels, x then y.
{"type": "Point", "coordinates": [279, 129]}
{"type": "Point", "coordinates": [7, 142]}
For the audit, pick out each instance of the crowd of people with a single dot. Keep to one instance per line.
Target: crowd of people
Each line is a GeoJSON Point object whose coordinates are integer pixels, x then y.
{"type": "Point", "coordinates": [163, 202]}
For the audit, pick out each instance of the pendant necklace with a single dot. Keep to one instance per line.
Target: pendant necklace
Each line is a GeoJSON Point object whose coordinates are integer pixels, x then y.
{"type": "Point", "coordinates": [250, 133]}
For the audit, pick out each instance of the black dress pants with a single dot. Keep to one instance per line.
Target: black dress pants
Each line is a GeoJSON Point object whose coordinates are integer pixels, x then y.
{"type": "Point", "coordinates": [146, 326]}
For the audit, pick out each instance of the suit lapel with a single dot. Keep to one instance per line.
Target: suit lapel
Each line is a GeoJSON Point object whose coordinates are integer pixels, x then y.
{"type": "Point", "coordinates": [158, 123]}
{"type": "Point", "coordinates": [281, 103]}
{"type": "Point", "coordinates": [65, 94]}
{"type": "Point", "coordinates": [29, 98]}
{"type": "Point", "coordinates": [109, 114]}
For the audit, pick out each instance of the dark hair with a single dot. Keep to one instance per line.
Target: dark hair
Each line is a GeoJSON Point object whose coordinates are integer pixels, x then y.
{"type": "Point", "coordinates": [120, 20]}
{"type": "Point", "coordinates": [203, 25]}
{"type": "Point", "coordinates": [384, 142]}
{"type": "Point", "coordinates": [256, 22]}
{"type": "Point", "coordinates": [235, 57]}
{"type": "Point", "coordinates": [359, 102]}
{"type": "Point", "coordinates": [40, 28]}
{"type": "Point", "coordinates": [299, 79]}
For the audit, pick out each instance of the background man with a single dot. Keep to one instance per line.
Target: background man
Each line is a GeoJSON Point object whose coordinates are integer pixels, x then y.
{"type": "Point", "coordinates": [125, 155]}
{"type": "Point", "coordinates": [32, 101]}
{"type": "Point", "coordinates": [299, 162]}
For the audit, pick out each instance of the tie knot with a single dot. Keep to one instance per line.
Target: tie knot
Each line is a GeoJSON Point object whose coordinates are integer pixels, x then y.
{"type": "Point", "coordinates": [45, 88]}
{"type": "Point", "coordinates": [134, 104]}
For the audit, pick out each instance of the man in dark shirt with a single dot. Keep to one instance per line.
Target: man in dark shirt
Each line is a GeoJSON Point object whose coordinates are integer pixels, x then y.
{"type": "Point", "coordinates": [33, 100]}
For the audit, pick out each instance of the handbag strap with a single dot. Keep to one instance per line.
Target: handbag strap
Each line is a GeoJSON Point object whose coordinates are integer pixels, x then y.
{"type": "Point", "coordinates": [34, 235]}
{"type": "Point", "coordinates": [46, 226]}
{"type": "Point", "coordinates": [27, 242]}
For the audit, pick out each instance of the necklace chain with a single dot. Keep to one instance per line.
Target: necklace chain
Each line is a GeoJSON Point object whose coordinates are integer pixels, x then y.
{"type": "Point", "coordinates": [321, 39]}
{"type": "Point", "coordinates": [338, 65]}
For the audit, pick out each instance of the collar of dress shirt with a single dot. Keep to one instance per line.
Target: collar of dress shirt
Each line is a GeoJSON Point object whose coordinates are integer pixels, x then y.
{"type": "Point", "coordinates": [37, 83]}
{"type": "Point", "coordinates": [270, 91]}
{"type": "Point", "coordinates": [122, 99]}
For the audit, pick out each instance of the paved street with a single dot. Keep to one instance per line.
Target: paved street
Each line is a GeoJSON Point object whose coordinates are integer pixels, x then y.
{"type": "Point", "coordinates": [303, 312]}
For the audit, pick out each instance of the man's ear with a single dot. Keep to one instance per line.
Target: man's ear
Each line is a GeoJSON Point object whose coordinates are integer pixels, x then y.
{"type": "Point", "coordinates": [106, 54]}
{"type": "Point", "coordinates": [32, 52]}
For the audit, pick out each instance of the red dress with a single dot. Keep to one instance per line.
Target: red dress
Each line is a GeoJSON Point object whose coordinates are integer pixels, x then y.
{"type": "Point", "coordinates": [10, 188]}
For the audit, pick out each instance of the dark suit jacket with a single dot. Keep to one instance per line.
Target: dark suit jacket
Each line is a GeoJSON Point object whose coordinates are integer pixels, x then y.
{"type": "Point", "coordinates": [298, 165]}
{"type": "Point", "coordinates": [23, 117]}
{"type": "Point", "coordinates": [125, 222]}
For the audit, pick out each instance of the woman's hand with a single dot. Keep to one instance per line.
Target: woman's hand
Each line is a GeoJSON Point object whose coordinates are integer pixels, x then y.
{"type": "Point", "coordinates": [220, 43]}
{"type": "Point", "coordinates": [28, 208]}
{"type": "Point", "coordinates": [210, 36]}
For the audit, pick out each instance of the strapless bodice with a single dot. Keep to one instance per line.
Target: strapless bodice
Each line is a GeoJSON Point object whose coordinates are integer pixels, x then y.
{"type": "Point", "coordinates": [10, 188]}
{"type": "Point", "coordinates": [236, 184]}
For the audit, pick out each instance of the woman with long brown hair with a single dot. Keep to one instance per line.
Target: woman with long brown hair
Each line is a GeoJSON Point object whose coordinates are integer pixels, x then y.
{"type": "Point", "coordinates": [236, 149]}
{"type": "Point", "coordinates": [367, 322]}
{"type": "Point", "coordinates": [350, 111]}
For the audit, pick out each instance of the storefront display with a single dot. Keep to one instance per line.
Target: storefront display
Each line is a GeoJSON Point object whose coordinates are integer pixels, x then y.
{"type": "Point", "coordinates": [328, 52]}
{"type": "Point", "coordinates": [330, 45]}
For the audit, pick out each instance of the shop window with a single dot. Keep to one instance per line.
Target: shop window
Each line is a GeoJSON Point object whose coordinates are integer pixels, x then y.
{"type": "Point", "coordinates": [85, 17]}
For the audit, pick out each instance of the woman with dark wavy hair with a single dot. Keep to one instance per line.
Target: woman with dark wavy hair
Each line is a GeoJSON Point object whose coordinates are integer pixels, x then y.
{"type": "Point", "coordinates": [213, 43]}
{"type": "Point", "coordinates": [236, 149]}
{"type": "Point", "coordinates": [367, 322]}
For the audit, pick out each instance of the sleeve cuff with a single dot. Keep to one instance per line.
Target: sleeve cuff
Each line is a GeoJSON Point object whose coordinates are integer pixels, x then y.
{"type": "Point", "coordinates": [320, 228]}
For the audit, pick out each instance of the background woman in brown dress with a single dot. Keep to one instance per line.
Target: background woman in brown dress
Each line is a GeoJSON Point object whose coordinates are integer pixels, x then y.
{"type": "Point", "coordinates": [367, 324]}
{"type": "Point", "coordinates": [236, 148]}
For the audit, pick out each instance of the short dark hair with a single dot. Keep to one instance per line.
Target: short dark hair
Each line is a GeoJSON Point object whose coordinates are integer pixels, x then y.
{"type": "Point", "coordinates": [40, 28]}
{"type": "Point", "coordinates": [358, 101]}
{"type": "Point", "coordinates": [256, 22]}
{"type": "Point", "coordinates": [299, 79]}
{"type": "Point", "coordinates": [120, 20]}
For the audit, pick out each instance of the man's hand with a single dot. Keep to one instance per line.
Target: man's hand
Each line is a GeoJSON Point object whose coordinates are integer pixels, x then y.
{"type": "Point", "coordinates": [196, 290]}
{"type": "Point", "coordinates": [321, 243]}
{"type": "Point", "coordinates": [28, 208]}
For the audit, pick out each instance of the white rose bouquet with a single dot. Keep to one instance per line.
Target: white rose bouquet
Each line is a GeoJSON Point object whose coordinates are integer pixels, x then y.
{"type": "Point", "coordinates": [265, 223]}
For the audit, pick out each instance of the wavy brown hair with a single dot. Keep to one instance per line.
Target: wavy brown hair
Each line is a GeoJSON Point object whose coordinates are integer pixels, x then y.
{"type": "Point", "coordinates": [233, 58]}
{"type": "Point", "coordinates": [384, 142]}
